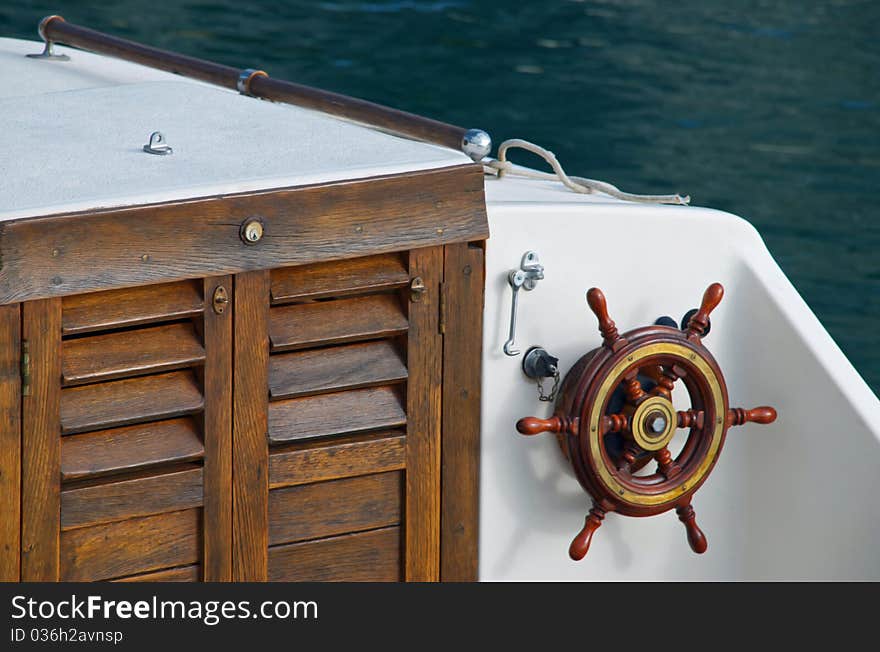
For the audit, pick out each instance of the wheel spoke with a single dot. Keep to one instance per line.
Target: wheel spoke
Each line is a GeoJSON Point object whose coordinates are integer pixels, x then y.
{"type": "Point", "coordinates": [741, 416]}
{"type": "Point", "coordinates": [665, 379]}
{"type": "Point", "coordinates": [690, 419]}
{"type": "Point", "coordinates": [633, 388]}
{"type": "Point", "coordinates": [695, 536]}
{"type": "Point", "coordinates": [610, 336]}
{"type": "Point", "coordinates": [666, 464]}
{"type": "Point", "coordinates": [615, 423]}
{"type": "Point", "coordinates": [631, 452]}
{"type": "Point", "coordinates": [698, 323]}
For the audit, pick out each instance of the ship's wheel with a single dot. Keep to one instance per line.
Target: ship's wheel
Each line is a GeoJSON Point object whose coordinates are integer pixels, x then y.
{"type": "Point", "coordinates": [615, 417]}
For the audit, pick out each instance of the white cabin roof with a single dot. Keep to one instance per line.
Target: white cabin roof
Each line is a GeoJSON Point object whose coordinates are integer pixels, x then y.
{"type": "Point", "coordinates": [73, 136]}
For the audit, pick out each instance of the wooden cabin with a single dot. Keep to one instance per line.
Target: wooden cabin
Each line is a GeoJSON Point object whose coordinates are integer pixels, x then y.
{"type": "Point", "coordinates": [253, 357]}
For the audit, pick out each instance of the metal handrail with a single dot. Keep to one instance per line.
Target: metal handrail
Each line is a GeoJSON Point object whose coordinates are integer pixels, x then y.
{"type": "Point", "coordinates": [473, 142]}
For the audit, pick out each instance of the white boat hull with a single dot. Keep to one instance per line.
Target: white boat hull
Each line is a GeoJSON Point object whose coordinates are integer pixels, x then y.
{"type": "Point", "coordinates": [798, 499]}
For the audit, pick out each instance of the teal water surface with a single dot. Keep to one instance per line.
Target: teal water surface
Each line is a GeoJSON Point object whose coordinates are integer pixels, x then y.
{"type": "Point", "coordinates": [770, 110]}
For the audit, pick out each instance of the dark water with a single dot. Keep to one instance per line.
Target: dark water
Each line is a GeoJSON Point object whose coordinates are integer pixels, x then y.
{"type": "Point", "coordinates": [767, 109]}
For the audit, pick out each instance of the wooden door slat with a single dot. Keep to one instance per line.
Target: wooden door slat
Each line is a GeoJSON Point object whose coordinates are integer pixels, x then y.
{"type": "Point", "coordinates": [130, 448]}
{"type": "Point", "coordinates": [10, 443]}
{"type": "Point", "coordinates": [363, 557]}
{"type": "Point", "coordinates": [83, 313]}
{"type": "Point", "coordinates": [464, 279]}
{"type": "Point", "coordinates": [354, 411]}
{"type": "Point", "coordinates": [250, 457]}
{"type": "Point", "coordinates": [130, 353]}
{"type": "Point", "coordinates": [351, 366]}
{"type": "Point", "coordinates": [116, 501]}
{"type": "Point", "coordinates": [217, 560]}
{"type": "Point", "coordinates": [336, 322]}
{"type": "Point", "coordinates": [425, 363]}
{"type": "Point", "coordinates": [181, 574]}
{"type": "Point", "coordinates": [325, 509]}
{"type": "Point", "coordinates": [136, 545]}
{"type": "Point", "coordinates": [339, 458]}
{"type": "Point", "coordinates": [335, 279]}
{"type": "Point", "coordinates": [41, 443]}
{"type": "Point", "coordinates": [124, 402]}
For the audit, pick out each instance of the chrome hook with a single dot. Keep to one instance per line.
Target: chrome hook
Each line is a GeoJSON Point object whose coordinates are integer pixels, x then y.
{"type": "Point", "coordinates": [526, 277]}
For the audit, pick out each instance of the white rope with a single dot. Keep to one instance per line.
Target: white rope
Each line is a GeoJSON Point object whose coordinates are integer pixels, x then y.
{"type": "Point", "coordinates": [502, 167]}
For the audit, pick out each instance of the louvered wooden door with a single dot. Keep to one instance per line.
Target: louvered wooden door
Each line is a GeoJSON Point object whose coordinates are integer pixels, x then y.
{"type": "Point", "coordinates": [344, 479]}
{"type": "Point", "coordinates": [126, 463]}
{"type": "Point", "coordinates": [293, 433]}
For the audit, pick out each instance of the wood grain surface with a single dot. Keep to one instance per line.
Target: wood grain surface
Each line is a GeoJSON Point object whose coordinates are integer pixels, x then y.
{"type": "Point", "coordinates": [41, 443]}
{"type": "Point", "coordinates": [425, 363]}
{"type": "Point", "coordinates": [136, 545]}
{"type": "Point", "coordinates": [134, 400]}
{"type": "Point", "coordinates": [250, 461]}
{"type": "Point", "coordinates": [130, 448]}
{"type": "Point", "coordinates": [358, 410]}
{"type": "Point", "coordinates": [130, 353]}
{"type": "Point", "coordinates": [95, 311]}
{"type": "Point", "coordinates": [334, 322]}
{"type": "Point", "coordinates": [116, 248]}
{"type": "Point", "coordinates": [339, 278]}
{"type": "Point", "coordinates": [325, 509]}
{"type": "Point", "coordinates": [10, 443]}
{"type": "Point", "coordinates": [336, 368]}
{"type": "Point", "coordinates": [363, 557]}
{"type": "Point", "coordinates": [338, 458]}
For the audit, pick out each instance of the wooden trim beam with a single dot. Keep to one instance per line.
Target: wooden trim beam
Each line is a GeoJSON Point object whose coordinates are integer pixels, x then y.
{"type": "Point", "coordinates": [10, 443]}
{"type": "Point", "coordinates": [107, 249]}
{"type": "Point", "coordinates": [464, 275]}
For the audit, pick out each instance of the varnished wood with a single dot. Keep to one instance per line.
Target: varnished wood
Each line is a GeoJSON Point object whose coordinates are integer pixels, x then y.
{"type": "Point", "coordinates": [740, 416]}
{"type": "Point", "coordinates": [160, 243]}
{"type": "Point", "coordinates": [10, 443]}
{"type": "Point", "coordinates": [633, 389]}
{"type": "Point", "coordinates": [336, 322]}
{"type": "Point", "coordinates": [130, 401]}
{"type": "Point", "coordinates": [332, 369]}
{"type": "Point", "coordinates": [532, 426]}
{"type": "Point", "coordinates": [181, 574]}
{"type": "Point", "coordinates": [372, 556]}
{"type": "Point", "coordinates": [353, 411]}
{"type": "Point", "coordinates": [464, 280]}
{"type": "Point", "coordinates": [607, 467]}
{"type": "Point", "coordinates": [84, 313]}
{"type": "Point", "coordinates": [695, 536]}
{"type": "Point", "coordinates": [276, 90]}
{"type": "Point", "coordinates": [217, 385]}
{"type": "Point", "coordinates": [700, 321]}
{"type": "Point", "coordinates": [334, 507]}
{"type": "Point", "coordinates": [135, 545]}
{"type": "Point", "coordinates": [339, 278]}
{"type": "Point", "coordinates": [41, 443]}
{"type": "Point", "coordinates": [580, 545]}
{"type": "Point", "coordinates": [129, 498]}
{"type": "Point", "coordinates": [599, 306]}
{"type": "Point", "coordinates": [130, 353]}
{"type": "Point", "coordinates": [250, 461]}
{"type": "Point", "coordinates": [424, 361]}
{"type": "Point", "coordinates": [337, 458]}
{"type": "Point", "coordinates": [614, 423]}
{"type": "Point", "coordinates": [130, 448]}
{"type": "Point", "coordinates": [690, 418]}
{"type": "Point", "coordinates": [666, 464]}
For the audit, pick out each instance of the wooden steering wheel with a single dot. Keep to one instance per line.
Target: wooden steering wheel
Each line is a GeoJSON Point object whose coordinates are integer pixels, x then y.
{"type": "Point", "coordinates": [614, 415]}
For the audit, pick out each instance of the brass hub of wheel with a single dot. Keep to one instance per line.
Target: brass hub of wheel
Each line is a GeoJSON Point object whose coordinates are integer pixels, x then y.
{"type": "Point", "coordinates": [653, 423]}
